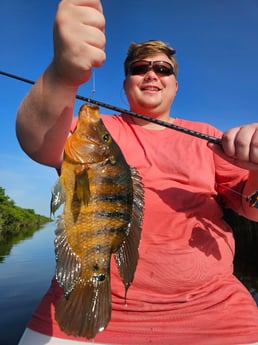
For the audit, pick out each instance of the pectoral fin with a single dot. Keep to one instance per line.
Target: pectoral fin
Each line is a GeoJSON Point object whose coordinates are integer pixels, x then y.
{"type": "Point", "coordinates": [82, 187]}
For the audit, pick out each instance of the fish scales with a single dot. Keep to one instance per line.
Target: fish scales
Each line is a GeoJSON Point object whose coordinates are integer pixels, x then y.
{"type": "Point", "coordinates": [103, 207]}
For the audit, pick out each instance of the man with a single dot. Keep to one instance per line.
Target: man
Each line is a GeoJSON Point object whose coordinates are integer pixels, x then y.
{"type": "Point", "coordinates": [184, 291]}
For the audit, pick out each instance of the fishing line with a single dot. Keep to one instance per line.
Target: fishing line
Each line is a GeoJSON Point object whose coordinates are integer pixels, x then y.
{"type": "Point", "coordinates": [231, 190]}
{"type": "Point", "coordinates": [131, 113]}
{"type": "Point", "coordinates": [252, 199]}
{"type": "Point", "coordinates": [93, 84]}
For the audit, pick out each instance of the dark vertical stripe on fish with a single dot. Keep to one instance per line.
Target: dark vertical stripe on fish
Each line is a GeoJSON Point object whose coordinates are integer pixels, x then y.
{"type": "Point", "coordinates": [121, 198]}
{"type": "Point", "coordinates": [105, 232]}
{"type": "Point", "coordinates": [118, 215]}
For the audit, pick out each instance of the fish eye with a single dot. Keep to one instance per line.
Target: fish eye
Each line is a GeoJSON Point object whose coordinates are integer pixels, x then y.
{"type": "Point", "coordinates": [106, 137]}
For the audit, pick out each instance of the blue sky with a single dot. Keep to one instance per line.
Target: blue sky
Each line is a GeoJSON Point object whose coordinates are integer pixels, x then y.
{"type": "Point", "coordinates": [217, 51]}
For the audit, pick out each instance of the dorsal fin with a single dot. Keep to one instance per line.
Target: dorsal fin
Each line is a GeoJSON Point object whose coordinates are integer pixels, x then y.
{"type": "Point", "coordinates": [127, 255]}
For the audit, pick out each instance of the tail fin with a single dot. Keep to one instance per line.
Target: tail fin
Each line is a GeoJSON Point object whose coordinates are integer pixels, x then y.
{"type": "Point", "coordinates": [87, 310]}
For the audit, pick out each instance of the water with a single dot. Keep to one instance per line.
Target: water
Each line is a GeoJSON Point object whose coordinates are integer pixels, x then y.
{"type": "Point", "coordinates": [26, 269]}
{"type": "Point", "coordinates": [25, 275]}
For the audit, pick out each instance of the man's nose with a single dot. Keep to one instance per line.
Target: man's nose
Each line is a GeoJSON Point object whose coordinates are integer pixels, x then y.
{"type": "Point", "coordinates": [150, 74]}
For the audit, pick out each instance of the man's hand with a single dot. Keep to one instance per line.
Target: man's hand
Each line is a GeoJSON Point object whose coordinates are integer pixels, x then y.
{"type": "Point", "coordinates": [79, 40]}
{"type": "Point", "coordinates": [239, 146]}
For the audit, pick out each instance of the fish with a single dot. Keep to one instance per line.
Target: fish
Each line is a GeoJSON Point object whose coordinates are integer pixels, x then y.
{"type": "Point", "coordinates": [103, 204]}
{"type": "Point", "coordinates": [253, 199]}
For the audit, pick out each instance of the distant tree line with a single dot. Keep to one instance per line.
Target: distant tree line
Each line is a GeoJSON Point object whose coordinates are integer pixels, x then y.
{"type": "Point", "coordinates": [15, 219]}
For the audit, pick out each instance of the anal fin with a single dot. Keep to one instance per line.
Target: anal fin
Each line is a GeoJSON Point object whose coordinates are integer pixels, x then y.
{"type": "Point", "coordinates": [68, 264]}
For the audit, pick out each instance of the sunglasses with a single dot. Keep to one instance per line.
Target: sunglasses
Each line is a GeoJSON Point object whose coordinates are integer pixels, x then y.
{"type": "Point", "coordinates": [141, 67]}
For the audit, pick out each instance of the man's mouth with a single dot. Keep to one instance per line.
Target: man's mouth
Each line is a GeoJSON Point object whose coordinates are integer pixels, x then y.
{"type": "Point", "coordinates": [150, 88]}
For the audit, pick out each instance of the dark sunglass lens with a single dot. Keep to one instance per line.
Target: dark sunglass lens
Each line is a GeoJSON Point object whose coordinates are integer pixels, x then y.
{"type": "Point", "coordinates": [140, 68]}
{"type": "Point", "coordinates": [162, 69]}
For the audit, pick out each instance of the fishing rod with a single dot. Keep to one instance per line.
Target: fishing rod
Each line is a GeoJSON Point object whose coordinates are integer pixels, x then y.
{"type": "Point", "coordinates": [131, 113]}
{"type": "Point", "coordinates": [252, 199]}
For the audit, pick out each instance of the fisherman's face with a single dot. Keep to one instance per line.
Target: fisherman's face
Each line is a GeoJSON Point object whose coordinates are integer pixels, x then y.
{"type": "Point", "coordinates": [151, 93]}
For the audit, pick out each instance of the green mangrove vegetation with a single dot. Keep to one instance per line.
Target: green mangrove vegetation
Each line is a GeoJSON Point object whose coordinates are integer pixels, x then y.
{"type": "Point", "coordinates": [16, 221]}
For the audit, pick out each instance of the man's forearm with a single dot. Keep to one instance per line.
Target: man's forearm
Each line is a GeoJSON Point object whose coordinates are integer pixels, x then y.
{"type": "Point", "coordinates": [44, 118]}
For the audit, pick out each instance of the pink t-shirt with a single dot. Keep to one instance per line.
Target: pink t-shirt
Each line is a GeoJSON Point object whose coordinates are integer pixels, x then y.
{"type": "Point", "coordinates": [184, 291]}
